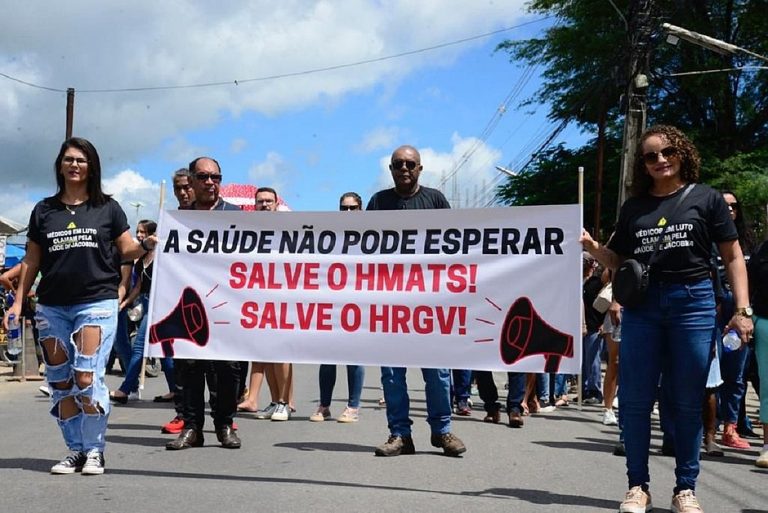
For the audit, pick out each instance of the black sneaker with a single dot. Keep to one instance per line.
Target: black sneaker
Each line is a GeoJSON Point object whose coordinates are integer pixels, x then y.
{"type": "Point", "coordinates": [94, 463]}
{"type": "Point", "coordinates": [619, 449]}
{"type": "Point", "coordinates": [395, 446]}
{"type": "Point", "coordinates": [71, 464]}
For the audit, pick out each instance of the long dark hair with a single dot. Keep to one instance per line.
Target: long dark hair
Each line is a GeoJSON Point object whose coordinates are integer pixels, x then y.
{"type": "Point", "coordinates": [149, 226]}
{"type": "Point", "coordinates": [95, 195]}
{"type": "Point", "coordinates": [690, 162]}
{"type": "Point", "coordinates": [747, 238]}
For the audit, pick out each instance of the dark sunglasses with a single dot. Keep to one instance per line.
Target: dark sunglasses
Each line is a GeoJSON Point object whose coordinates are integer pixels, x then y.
{"type": "Point", "coordinates": [652, 157]}
{"type": "Point", "coordinates": [204, 177]}
{"type": "Point", "coordinates": [409, 164]}
{"type": "Point", "coordinates": [349, 207]}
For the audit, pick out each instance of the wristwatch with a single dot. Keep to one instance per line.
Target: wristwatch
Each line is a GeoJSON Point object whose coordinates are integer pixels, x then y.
{"type": "Point", "coordinates": [744, 311]}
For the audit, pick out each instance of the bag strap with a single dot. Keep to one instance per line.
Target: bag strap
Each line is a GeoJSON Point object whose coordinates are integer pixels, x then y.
{"type": "Point", "coordinates": [679, 202]}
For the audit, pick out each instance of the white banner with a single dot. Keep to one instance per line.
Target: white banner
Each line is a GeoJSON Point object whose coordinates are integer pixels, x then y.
{"type": "Point", "coordinates": [494, 289]}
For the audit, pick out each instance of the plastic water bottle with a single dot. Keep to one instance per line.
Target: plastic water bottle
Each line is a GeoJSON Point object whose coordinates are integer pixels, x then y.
{"type": "Point", "coordinates": [617, 333]}
{"type": "Point", "coordinates": [731, 341]}
{"type": "Point", "coordinates": [14, 335]}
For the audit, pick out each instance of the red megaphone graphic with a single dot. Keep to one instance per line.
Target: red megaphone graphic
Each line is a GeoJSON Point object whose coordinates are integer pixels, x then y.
{"type": "Point", "coordinates": [525, 333]}
{"type": "Point", "coordinates": [188, 321]}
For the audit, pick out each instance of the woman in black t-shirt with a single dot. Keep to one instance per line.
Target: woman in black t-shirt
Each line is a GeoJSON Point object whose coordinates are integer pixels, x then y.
{"type": "Point", "coordinates": [140, 291]}
{"type": "Point", "coordinates": [72, 239]}
{"type": "Point", "coordinates": [672, 333]}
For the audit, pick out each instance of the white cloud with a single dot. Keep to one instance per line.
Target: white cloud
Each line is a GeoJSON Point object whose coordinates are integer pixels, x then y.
{"type": "Point", "coordinates": [139, 197]}
{"type": "Point", "coordinates": [381, 137]}
{"type": "Point", "coordinates": [238, 145]}
{"type": "Point", "coordinates": [273, 172]}
{"type": "Point", "coordinates": [465, 174]}
{"type": "Point", "coordinates": [191, 42]}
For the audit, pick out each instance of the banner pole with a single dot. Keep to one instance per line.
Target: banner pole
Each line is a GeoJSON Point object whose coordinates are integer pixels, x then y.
{"type": "Point", "coordinates": [142, 374]}
{"type": "Point", "coordinates": [581, 280]}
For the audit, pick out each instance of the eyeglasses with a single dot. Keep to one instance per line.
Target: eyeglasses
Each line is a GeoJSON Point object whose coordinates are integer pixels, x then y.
{"type": "Point", "coordinates": [349, 207]}
{"type": "Point", "coordinates": [652, 157]}
{"type": "Point", "coordinates": [409, 164]}
{"type": "Point", "coordinates": [204, 177]}
{"type": "Point", "coordinates": [70, 160]}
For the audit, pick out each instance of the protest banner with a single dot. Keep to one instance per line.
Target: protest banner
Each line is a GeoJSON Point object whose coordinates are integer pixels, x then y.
{"type": "Point", "coordinates": [494, 289]}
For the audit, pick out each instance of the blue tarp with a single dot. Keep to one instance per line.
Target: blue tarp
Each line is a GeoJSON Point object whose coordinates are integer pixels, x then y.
{"type": "Point", "coordinates": [13, 255]}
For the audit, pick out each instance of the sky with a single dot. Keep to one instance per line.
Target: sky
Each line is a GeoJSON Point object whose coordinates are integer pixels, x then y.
{"type": "Point", "coordinates": [271, 119]}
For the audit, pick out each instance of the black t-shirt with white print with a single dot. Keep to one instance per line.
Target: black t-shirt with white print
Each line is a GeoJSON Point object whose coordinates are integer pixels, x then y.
{"type": "Point", "coordinates": [701, 219]}
{"type": "Point", "coordinates": [78, 262]}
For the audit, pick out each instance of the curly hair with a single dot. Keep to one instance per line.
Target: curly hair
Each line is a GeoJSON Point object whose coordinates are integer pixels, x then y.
{"type": "Point", "coordinates": [690, 162]}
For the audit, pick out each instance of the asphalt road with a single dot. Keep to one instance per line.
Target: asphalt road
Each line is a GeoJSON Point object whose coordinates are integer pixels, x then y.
{"type": "Point", "coordinates": [560, 461]}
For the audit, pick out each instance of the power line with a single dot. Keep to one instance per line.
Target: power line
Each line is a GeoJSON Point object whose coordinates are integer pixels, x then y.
{"type": "Point", "coordinates": [237, 82]}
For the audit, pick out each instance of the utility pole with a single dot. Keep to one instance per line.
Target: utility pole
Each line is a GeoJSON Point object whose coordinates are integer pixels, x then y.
{"type": "Point", "coordinates": [637, 85]}
{"type": "Point", "coordinates": [70, 110]}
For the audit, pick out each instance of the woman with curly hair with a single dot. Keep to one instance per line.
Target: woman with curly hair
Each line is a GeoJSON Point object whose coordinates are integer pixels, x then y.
{"type": "Point", "coordinates": [672, 332]}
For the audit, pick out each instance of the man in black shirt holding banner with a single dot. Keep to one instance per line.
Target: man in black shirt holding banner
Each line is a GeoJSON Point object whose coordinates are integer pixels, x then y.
{"type": "Point", "coordinates": [405, 167]}
{"type": "Point", "coordinates": [206, 182]}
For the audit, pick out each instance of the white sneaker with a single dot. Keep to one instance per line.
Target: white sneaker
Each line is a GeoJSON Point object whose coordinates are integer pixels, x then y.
{"type": "Point", "coordinates": [609, 418]}
{"type": "Point", "coordinates": [134, 396]}
{"type": "Point", "coordinates": [72, 463]}
{"type": "Point", "coordinates": [267, 412]}
{"type": "Point", "coordinates": [762, 460]}
{"type": "Point", "coordinates": [281, 413]}
{"type": "Point", "coordinates": [686, 502]}
{"type": "Point", "coordinates": [94, 463]}
{"type": "Point", "coordinates": [44, 390]}
{"type": "Point", "coordinates": [615, 403]}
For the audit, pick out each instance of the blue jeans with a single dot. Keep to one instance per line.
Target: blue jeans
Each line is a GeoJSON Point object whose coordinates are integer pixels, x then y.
{"type": "Point", "coordinates": [672, 333]}
{"type": "Point", "coordinates": [131, 381]}
{"type": "Point", "coordinates": [542, 388]}
{"type": "Point", "coordinates": [84, 431]}
{"type": "Point", "coordinates": [327, 378]}
{"type": "Point", "coordinates": [460, 386]}
{"type": "Point", "coordinates": [438, 392]}
{"type": "Point", "coordinates": [561, 385]}
{"type": "Point", "coordinates": [122, 343]}
{"type": "Point", "coordinates": [592, 386]}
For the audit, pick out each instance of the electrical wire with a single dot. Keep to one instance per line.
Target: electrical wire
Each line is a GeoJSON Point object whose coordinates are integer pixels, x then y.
{"type": "Point", "coordinates": [237, 82]}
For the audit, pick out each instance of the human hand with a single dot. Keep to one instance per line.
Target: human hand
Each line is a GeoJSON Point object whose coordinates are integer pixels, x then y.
{"type": "Point", "coordinates": [587, 242]}
{"type": "Point", "coordinates": [743, 325]}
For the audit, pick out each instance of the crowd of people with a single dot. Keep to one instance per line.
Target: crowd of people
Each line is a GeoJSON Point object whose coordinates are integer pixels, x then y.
{"type": "Point", "coordinates": [94, 276]}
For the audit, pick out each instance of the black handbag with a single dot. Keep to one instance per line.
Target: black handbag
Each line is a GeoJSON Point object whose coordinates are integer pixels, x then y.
{"type": "Point", "coordinates": [630, 281]}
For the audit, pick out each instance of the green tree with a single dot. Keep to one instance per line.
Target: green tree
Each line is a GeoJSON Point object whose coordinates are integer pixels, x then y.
{"type": "Point", "coordinates": [584, 55]}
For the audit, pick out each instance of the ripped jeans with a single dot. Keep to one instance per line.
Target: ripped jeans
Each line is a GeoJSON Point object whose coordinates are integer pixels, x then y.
{"type": "Point", "coordinates": [81, 375]}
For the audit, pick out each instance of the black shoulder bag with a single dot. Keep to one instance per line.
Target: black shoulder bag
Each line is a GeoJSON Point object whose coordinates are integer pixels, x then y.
{"type": "Point", "coordinates": [630, 281]}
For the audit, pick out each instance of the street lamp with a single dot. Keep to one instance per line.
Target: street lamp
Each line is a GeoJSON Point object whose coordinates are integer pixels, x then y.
{"type": "Point", "coordinates": [506, 171]}
{"type": "Point", "coordinates": [710, 43]}
{"type": "Point", "coordinates": [138, 205]}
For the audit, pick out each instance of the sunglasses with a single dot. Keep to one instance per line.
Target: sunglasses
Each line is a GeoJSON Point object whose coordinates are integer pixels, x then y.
{"type": "Point", "coordinates": [652, 157]}
{"type": "Point", "coordinates": [204, 177]}
{"type": "Point", "coordinates": [409, 164]}
{"type": "Point", "coordinates": [344, 208]}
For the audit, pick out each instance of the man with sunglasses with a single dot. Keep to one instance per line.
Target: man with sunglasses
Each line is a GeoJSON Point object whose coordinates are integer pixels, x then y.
{"type": "Point", "coordinates": [407, 194]}
{"type": "Point", "coordinates": [206, 182]}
